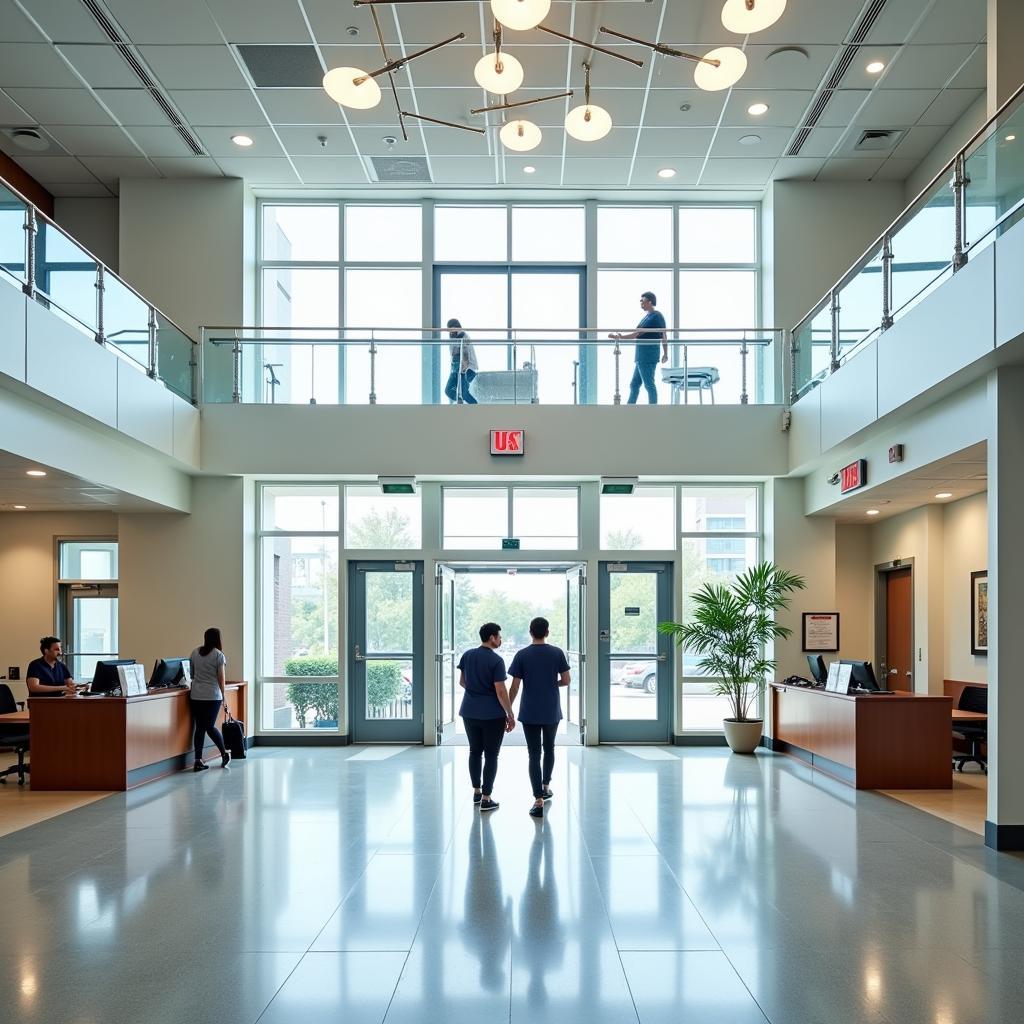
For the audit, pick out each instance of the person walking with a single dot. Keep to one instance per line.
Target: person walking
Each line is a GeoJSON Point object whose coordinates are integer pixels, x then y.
{"type": "Point", "coordinates": [540, 669]}
{"type": "Point", "coordinates": [486, 711]}
{"type": "Point", "coordinates": [650, 331]}
{"type": "Point", "coordinates": [207, 696]}
{"type": "Point", "coordinates": [464, 363]}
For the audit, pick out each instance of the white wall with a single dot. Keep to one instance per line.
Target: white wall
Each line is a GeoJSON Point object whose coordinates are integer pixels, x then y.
{"type": "Point", "coordinates": [28, 569]}
{"type": "Point", "coordinates": [966, 552]}
{"type": "Point", "coordinates": [93, 223]}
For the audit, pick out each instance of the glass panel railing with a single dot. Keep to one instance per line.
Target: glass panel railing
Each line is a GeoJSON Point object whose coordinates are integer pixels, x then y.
{"type": "Point", "coordinates": [995, 181]}
{"type": "Point", "coordinates": [860, 306]}
{"type": "Point", "coordinates": [125, 320]}
{"type": "Point", "coordinates": [922, 250]}
{"type": "Point", "coordinates": [65, 279]}
{"type": "Point", "coordinates": [12, 236]}
{"type": "Point", "coordinates": [812, 342]}
{"type": "Point", "coordinates": [175, 358]}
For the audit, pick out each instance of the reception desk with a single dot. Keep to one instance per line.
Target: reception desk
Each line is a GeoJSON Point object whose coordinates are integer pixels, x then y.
{"type": "Point", "coordinates": [115, 743]}
{"type": "Point", "coordinates": [894, 741]}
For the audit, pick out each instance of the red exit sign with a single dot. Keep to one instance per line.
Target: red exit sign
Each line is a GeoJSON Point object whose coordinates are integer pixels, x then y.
{"type": "Point", "coordinates": [508, 442]}
{"type": "Point", "coordinates": [853, 476]}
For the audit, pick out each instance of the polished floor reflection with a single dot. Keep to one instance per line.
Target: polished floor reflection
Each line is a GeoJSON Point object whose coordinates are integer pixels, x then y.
{"type": "Point", "coordinates": [362, 886]}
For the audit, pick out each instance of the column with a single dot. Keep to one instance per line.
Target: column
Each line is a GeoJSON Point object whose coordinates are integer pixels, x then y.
{"type": "Point", "coordinates": [1005, 40]}
{"type": "Point", "coordinates": [1004, 825]}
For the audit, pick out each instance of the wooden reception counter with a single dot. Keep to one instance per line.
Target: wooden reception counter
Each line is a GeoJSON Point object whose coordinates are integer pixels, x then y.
{"type": "Point", "coordinates": [885, 741]}
{"type": "Point", "coordinates": [115, 743]}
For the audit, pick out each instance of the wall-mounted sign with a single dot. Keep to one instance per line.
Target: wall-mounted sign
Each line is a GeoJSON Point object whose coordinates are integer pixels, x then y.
{"type": "Point", "coordinates": [631, 610]}
{"type": "Point", "coordinates": [853, 476]}
{"type": "Point", "coordinates": [508, 442]}
{"type": "Point", "coordinates": [820, 632]}
{"type": "Point", "coordinates": [896, 453]}
{"type": "Point", "coordinates": [509, 543]}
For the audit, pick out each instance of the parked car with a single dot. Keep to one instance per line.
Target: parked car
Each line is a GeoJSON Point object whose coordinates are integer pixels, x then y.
{"type": "Point", "coordinates": [638, 675]}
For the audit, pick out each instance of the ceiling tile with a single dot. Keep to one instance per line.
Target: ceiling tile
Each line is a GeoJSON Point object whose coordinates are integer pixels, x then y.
{"type": "Point", "coordinates": [772, 142]}
{"type": "Point", "coordinates": [950, 105]}
{"type": "Point", "coordinates": [684, 23]}
{"type": "Point", "coordinates": [618, 142]}
{"type": "Point", "coordinates": [797, 168]}
{"type": "Point", "coordinates": [451, 142]}
{"type": "Point", "coordinates": [217, 143]}
{"type": "Point", "coordinates": [954, 21]}
{"type": "Point", "coordinates": [927, 67]}
{"type": "Point", "coordinates": [93, 140]}
{"type": "Point", "coordinates": [281, 23]}
{"type": "Point", "coordinates": [811, 21]}
{"type": "Point", "coordinates": [14, 26]}
{"type": "Point", "coordinates": [849, 169]}
{"type": "Point", "coordinates": [663, 108]}
{"type": "Point", "coordinates": [781, 71]}
{"type": "Point", "coordinates": [369, 142]}
{"type": "Point", "coordinates": [821, 142]}
{"type": "Point", "coordinates": [66, 21]}
{"type": "Point", "coordinates": [552, 140]}
{"type": "Point", "coordinates": [645, 172]}
{"type": "Point", "coordinates": [11, 113]}
{"type": "Point", "coordinates": [675, 142]}
{"type": "Point", "coordinates": [202, 107]}
{"type": "Point", "coordinates": [307, 106]}
{"type": "Point", "coordinates": [160, 142]}
{"type": "Point", "coordinates": [612, 171]}
{"type": "Point", "coordinates": [331, 170]}
{"type": "Point", "coordinates": [896, 169]}
{"type": "Point", "coordinates": [102, 67]}
{"type": "Point", "coordinates": [187, 167]}
{"type": "Point", "coordinates": [55, 168]}
{"type": "Point", "coordinates": [463, 170]}
{"type": "Point", "coordinates": [843, 107]}
{"type": "Point", "coordinates": [34, 64]}
{"type": "Point", "coordinates": [259, 170]}
{"type": "Point", "coordinates": [150, 21]}
{"type": "Point", "coordinates": [857, 75]}
{"type": "Point", "coordinates": [786, 108]}
{"type": "Point", "coordinates": [60, 106]}
{"type": "Point", "coordinates": [414, 25]}
{"type": "Point", "coordinates": [896, 108]}
{"type": "Point", "coordinates": [753, 172]}
{"type": "Point", "coordinates": [79, 190]}
{"type": "Point", "coordinates": [974, 74]}
{"type": "Point", "coordinates": [896, 21]}
{"type": "Point", "coordinates": [114, 168]}
{"type": "Point", "coordinates": [304, 141]}
{"type": "Point", "coordinates": [547, 170]}
{"type": "Point", "coordinates": [132, 106]}
{"type": "Point", "coordinates": [194, 67]}
{"type": "Point", "coordinates": [917, 143]}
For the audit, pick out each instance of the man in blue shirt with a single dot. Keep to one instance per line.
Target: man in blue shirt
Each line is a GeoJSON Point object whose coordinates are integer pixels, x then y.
{"type": "Point", "coordinates": [540, 669]}
{"type": "Point", "coordinates": [486, 711]}
{"type": "Point", "coordinates": [48, 676]}
{"type": "Point", "coordinates": [650, 330]}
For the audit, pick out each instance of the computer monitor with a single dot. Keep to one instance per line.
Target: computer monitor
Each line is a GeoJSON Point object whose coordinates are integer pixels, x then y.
{"type": "Point", "coordinates": [816, 663]}
{"type": "Point", "coordinates": [862, 676]}
{"type": "Point", "coordinates": [168, 672]}
{"type": "Point", "coordinates": [104, 678]}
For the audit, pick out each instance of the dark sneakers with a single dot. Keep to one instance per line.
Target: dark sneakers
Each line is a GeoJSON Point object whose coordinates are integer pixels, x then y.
{"type": "Point", "coordinates": [547, 794]}
{"type": "Point", "coordinates": [537, 812]}
{"type": "Point", "coordinates": [476, 798]}
{"type": "Point", "coordinates": [488, 805]}
{"type": "Point", "coordinates": [200, 766]}
{"type": "Point", "coordinates": [225, 759]}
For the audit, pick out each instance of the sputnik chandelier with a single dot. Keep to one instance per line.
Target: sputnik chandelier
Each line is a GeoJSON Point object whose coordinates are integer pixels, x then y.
{"type": "Point", "coordinates": [500, 73]}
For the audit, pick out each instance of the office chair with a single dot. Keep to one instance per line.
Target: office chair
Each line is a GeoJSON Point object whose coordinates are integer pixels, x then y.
{"type": "Point", "coordinates": [973, 698]}
{"type": "Point", "coordinates": [16, 741]}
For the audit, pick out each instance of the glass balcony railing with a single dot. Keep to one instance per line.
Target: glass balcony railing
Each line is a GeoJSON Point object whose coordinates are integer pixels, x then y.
{"type": "Point", "coordinates": [413, 366]}
{"type": "Point", "coordinates": [977, 196]}
{"type": "Point", "coordinates": [58, 273]}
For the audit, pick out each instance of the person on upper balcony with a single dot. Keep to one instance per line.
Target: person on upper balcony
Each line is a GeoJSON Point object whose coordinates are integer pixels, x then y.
{"type": "Point", "coordinates": [649, 332]}
{"type": "Point", "coordinates": [464, 364]}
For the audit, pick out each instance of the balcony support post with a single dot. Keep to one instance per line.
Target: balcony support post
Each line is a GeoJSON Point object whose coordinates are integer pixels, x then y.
{"type": "Point", "coordinates": [31, 228]}
{"type": "Point", "coordinates": [834, 345]}
{"type": "Point", "coordinates": [101, 337]}
{"type": "Point", "coordinates": [959, 187]}
{"type": "Point", "coordinates": [886, 281]}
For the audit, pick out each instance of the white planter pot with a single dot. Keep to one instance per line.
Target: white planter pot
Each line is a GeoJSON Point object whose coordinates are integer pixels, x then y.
{"type": "Point", "coordinates": [743, 737]}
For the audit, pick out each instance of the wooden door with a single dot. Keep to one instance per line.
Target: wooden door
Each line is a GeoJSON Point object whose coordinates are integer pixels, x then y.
{"type": "Point", "coordinates": [899, 652]}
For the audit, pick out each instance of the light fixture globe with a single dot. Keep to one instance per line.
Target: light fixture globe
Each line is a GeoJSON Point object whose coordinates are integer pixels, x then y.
{"type": "Point", "coordinates": [340, 85]}
{"type": "Point", "coordinates": [588, 123]}
{"type": "Point", "coordinates": [502, 82]}
{"type": "Point", "coordinates": [731, 65]}
{"type": "Point", "coordinates": [746, 16]}
{"type": "Point", "coordinates": [520, 15]}
{"type": "Point", "coordinates": [520, 135]}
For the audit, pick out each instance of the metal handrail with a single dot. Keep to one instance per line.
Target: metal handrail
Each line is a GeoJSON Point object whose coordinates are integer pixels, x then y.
{"type": "Point", "coordinates": [875, 248]}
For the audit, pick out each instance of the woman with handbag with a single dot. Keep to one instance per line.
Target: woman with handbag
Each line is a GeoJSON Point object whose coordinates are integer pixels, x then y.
{"type": "Point", "coordinates": [208, 697]}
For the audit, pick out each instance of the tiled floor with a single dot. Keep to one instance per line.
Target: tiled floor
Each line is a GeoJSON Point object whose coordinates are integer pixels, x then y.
{"type": "Point", "coordinates": [307, 886]}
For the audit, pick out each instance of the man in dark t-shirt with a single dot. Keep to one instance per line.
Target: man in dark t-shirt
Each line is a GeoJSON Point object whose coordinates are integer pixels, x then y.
{"type": "Point", "coordinates": [650, 331]}
{"type": "Point", "coordinates": [48, 676]}
{"type": "Point", "coordinates": [540, 669]}
{"type": "Point", "coordinates": [486, 711]}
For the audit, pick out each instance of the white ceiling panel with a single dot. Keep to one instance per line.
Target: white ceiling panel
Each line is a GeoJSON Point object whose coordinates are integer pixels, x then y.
{"type": "Point", "coordinates": [811, 21]}
{"type": "Point", "coordinates": [308, 106]}
{"type": "Point", "coordinates": [14, 26]}
{"type": "Point", "coordinates": [786, 108]}
{"type": "Point", "coordinates": [47, 169]}
{"type": "Point", "coordinates": [217, 143]}
{"type": "Point", "coordinates": [132, 106]}
{"type": "Point", "coordinates": [897, 20]}
{"type": "Point", "coordinates": [547, 171]}
{"type": "Point", "coordinates": [259, 170]}
{"type": "Point", "coordinates": [452, 142]}
{"type": "Point", "coordinates": [950, 105]}
{"type": "Point", "coordinates": [60, 106]}
{"type": "Point", "coordinates": [685, 23]}
{"type": "Point", "coordinates": [203, 107]}
{"type": "Point", "coordinates": [93, 140]}
{"type": "Point", "coordinates": [843, 107]}
{"type": "Point", "coordinates": [896, 109]}
{"type": "Point", "coordinates": [420, 26]}
{"type": "Point", "coordinates": [617, 142]}
{"type": "Point", "coordinates": [821, 142]}
{"type": "Point", "coordinates": [895, 169]}
{"type": "Point", "coordinates": [954, 21]}
{"type": "Point", "coordinates": [917, 143]}
{"type": "Point", "coordinates": [370, 142]}
{"type": "Point", "coordinates": [454, 105]}
{"type": "Point", "coordinates": [927, 67]}
{"type": "Point", "coordinates": [663, 108]}
{"type": "Point", "coordinates": [12, 113]}
{"type": "Point", "coordinates": [781, 71]}
{"type": "Point", "coordinates": [975, 72]}
{"type": "Point", "coordinates": [79, 190]}
{"type": "Point", "coordinates": [194, 67]}
{"type": "Point", "coordinates": [847, 169]}
{"type": "Point", "coordinates": [280, 22]}
{"type": "Point", "coordinates": [187, 167]}
{"type": "Point", "coordinates": [304, 141]}
{"type": "Point", "coordinates": [675, 142]}
{"type": "Point", "coordinates": [34, 64]}
{"type": "Point", "coordinates": [335, 171]}
{"type": "Point", "coordinates": [66, 21]}
{"type": "Point", "coordinates": [160, 142]}
{"type": "Point", "coordinates": [772, 142]}
{"type": "Point", "coordinates": [608, 171]}
{"type": "Point", "coordinates": [102, 67]}
{"type": "Point", "coordinates": [645, 172]}
{"type": "Point", "coordinates": [797, 168]}
{"type": "Point", "coordinates": [463, 170]}
{"type": "Point", "coordinates": [110, 169]}
{"type": "Point", "coordinates": [737, 172]}
{"type": "Point", "coordinates": [187, 21]}
{"type": "Point", "coordinates": [858, 77]}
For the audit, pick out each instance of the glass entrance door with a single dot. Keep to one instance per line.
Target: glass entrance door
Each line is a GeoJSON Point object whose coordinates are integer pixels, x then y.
{"type": "Point", "coordinates": [575, 613]}
{"type": "Point", "coordinates": [90, 626]}
{"type": "Point", "coordinates": [386, 663]}
{"type": "Point", "coordinates": [635, 678]}
{"type": "Point", "coordinates": [447, 656]}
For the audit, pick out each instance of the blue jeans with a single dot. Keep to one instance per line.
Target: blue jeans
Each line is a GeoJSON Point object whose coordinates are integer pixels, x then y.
{"type": "Point", "coordinates": [452, 387]}
{"type": "Point", "coordinates": [643, 373]}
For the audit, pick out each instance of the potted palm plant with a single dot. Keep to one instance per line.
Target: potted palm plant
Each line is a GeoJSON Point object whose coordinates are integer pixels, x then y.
{"type": "Point", "coordinates": [731, 629]}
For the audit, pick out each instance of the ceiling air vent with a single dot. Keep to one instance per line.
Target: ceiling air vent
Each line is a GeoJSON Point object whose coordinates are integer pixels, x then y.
{"type": "Point", "coordinates": [878, 140]}
{"type": "Point", "coordinates": [283, 67]}
{"type": "Point", "coordinates": [402, 168]}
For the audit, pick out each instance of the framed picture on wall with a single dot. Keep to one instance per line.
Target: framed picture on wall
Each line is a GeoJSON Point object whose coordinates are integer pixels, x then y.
{"type": "Point", "coordinates": [979, 612]}
{"type": "Point", "coordinates": [820, 633]}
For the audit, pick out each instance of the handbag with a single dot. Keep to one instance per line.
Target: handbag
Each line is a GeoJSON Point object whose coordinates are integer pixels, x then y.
{"type": "Point", "coordinates": [234, 735]}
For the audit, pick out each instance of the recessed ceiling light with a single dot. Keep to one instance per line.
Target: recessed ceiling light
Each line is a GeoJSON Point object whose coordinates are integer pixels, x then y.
{"type": "Point", "coordinates": [750, 140]}
{"type": "Point", "coordinates": [242, 140]}
{"type": "Point", "coordinates": [667, 172]}
{"type": "Point", "coordinates": [529, 169]}
{"type": "Point", "coordinates": [875, 67]}
{"type": "Point", "coordinates": [1010, 138]}
{"type": "Point", "coordinates": [944, 494]}
{"type": "Point", "coordinates": [35, 472]}
{"type": "Point", "coordinates": [871, 512]}
{"type": "Point", "coordinates": [757, 109]}
{"type": "Point", "coordinates": [21, 508]}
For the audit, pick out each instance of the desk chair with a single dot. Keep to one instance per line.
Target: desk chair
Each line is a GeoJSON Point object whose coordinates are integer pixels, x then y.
{"type": "Point", "coordinates": [973, 698]}
{"type": "Point", "coordinates": [11, 739]}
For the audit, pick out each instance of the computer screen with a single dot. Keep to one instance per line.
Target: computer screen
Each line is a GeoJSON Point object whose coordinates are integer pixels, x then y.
{"type": "Point", "coordinates": [104, 678]}
{"type": "Point", "coordinates": [863, 675]}
{"type": "Point", "coordinates": [168, 672]}
{"type": "Point", "coordinates": [816, 663]}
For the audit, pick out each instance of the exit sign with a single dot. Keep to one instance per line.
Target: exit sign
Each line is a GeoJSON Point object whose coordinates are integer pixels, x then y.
{"type": "Point", "coordinates": [508, 442]}
{"type": "Point", "coordinates": [509, 543]}
{"type": "Point", "coordinates": [853, 476]}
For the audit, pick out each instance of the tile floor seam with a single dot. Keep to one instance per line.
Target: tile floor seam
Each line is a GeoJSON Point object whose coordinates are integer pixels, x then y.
{"type": "Point", "coordinates": [279, 989]}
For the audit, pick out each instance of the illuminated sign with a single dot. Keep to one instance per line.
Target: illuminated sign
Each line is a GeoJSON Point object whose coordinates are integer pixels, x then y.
{"type": "Point", "coordinates": [508, 442]}
{"type": "Point", "coordinates": [853, 476]}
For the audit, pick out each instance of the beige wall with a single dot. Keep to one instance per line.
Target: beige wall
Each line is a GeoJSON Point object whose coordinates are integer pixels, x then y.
{"type": "Point", "coordinates": [28, 568]}
{"type": "Point", "coordinates": [966, 552]}
{"type": "Point", "coordinates": [93, 223]}
{"type": "Point", "coordinates": [854, 596]}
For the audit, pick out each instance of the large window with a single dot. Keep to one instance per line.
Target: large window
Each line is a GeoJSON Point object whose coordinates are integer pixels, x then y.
{"type": "Point", "coordinates": [541, 518]}
{"type": "Point", "coordinates": [379, 275]}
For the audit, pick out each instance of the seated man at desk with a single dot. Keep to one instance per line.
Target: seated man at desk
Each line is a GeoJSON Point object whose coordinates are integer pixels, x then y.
{"type": "Point", "coordinates": [48, 676]}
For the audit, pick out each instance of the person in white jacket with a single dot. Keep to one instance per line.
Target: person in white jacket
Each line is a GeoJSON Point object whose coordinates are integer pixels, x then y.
{"type": "Point", "coordinates": [464, 364]}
